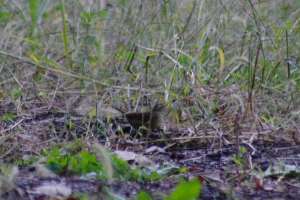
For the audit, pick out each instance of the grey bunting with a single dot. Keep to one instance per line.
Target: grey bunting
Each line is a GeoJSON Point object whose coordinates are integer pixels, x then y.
{"type": "Point", "coordinates": [138, 119]}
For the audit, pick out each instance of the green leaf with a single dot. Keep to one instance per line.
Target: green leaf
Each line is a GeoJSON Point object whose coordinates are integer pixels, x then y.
{"type": "Point", "coordinates": [278, 35]}
{"type": "Point", "coordinates": [75, 138]}
{"type": "Point", "coordinates": [86, 15]}
{"type": "Point", "coordinates": [33, 8]}
{"type": "Point", "coordinates": [108, 117]}
{"type": "Point", "coordinates": [120, 129]}
{"type": "Point", "coordinates": [182, 58]}
{"type": "Point", "coordinates": [30, 159]}
{"type": "Point", "coordinates": [142, 195]}
{"type": "Point", "coordinates": [55, 8]}
{"type": "Point", "coordinates": [264, 118]}
{"type": "Point", "coordinates": [243, 150]}
{"type": "Point", "coordinates": [186, 90]}
{"type": "Point", "coordinates": [185, 190]}
{"type": "Point", "coordinates": [92, 59]}
{"type": "Point", "coordinates": [102, 13]}
{"type": "Point", "coordinates": [45, 15]}
{"type": "Point", "coordinates": [64, 31]}
{"type": "Point", "coordinates": [180, 170]}
{"type": "Point", "coordinates": [5, 116]}
{"type": "Point", "coordinates": [70, 124]}
{"type": "Point", "coordinates": [154, 175]}
{"type": "Point", "coordinates": [4, 16]}
{"type": "Point", "coordinates": [53, 64]}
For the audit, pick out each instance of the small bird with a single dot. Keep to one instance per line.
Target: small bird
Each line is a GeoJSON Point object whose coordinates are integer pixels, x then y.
{"type": "Point", "coordinates": [138, 119]}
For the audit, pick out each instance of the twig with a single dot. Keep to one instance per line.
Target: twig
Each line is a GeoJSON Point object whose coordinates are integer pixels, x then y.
{"type": "Point", "coordinates": [54, 94]}
{"type": "Point", "coordinates": [12, 126]}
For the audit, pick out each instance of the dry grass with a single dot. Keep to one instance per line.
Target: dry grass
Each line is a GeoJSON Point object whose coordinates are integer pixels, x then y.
{"type": "Point", "coordinates": [224, 61]}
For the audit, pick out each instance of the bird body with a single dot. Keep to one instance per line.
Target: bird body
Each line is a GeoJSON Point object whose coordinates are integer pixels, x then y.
{"type": "Point", "coordinates": [138, 119]}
